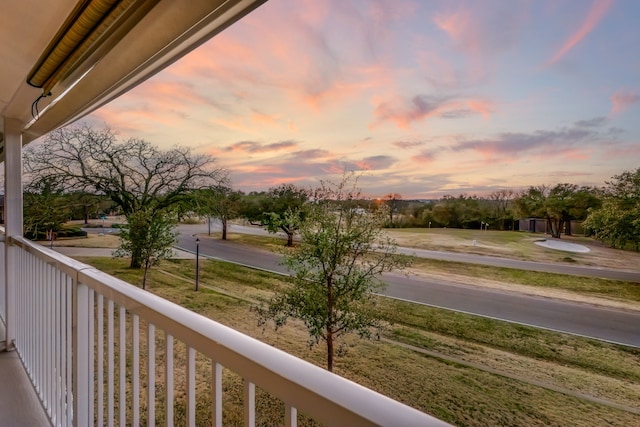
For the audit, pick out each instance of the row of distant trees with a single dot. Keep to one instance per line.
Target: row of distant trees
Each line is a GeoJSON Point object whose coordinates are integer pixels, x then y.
{"type": "Point", "coordinates": [81, 172]}
{"type": "Point", "coordinates": [611, 213]}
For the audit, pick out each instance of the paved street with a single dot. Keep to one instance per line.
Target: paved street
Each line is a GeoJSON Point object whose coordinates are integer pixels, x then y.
{"type": "Point", "coordinates": [614, 325]}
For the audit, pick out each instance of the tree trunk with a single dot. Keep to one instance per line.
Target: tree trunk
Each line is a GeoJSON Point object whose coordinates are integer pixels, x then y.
{"type": "Point", "coordinates": [329, 349]}
{"type": "Point", "coordinates": [224, 228]}
{"type": "Point", "coordinates": [555, 227]}
{"type": "Point", "coordinates": [289, 240]}
{"type": "Point", "coordinates": [136, 261]}
{"type": "Point", "coordinates": [144, 276]}
{"type": "Point", "coordinates": [329, 327]}
{"type": "Point", "coordinates": [567, 231]}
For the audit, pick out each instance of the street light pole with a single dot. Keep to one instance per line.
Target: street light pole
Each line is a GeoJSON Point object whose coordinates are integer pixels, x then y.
{"type": "Point", "coordinates": [197, 262]}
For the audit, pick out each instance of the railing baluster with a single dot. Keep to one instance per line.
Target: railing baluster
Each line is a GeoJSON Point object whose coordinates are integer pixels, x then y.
{"type": "Point", "coordinates": [122, 401]}
{"type": "Point", "coordinates": [48, 348]}
{"type": "Point", "coordinates": [249, 403]}
{"type": "Point", "coordinates": [216, 393]}
{"type": "Point", "coordinates": [92, 353]}
{"type": "Point", "coordinates": [81, 380]}
{"type": "Point", "coordinates": [69, 310]}
{"type": "Point", "coordinates": [290, 416]}
{"type": "Point", "coordinates": [57, 349]}
{"type": "Point", "coordinates": [46, 329]}
{"type": "Point", "coordinates": [168, 377]}
{"type": "Point", "coordinates": [151, 376]}
{"type": "Point", "coordinates": [51, 369]}
{"type": "Point", "coordinates": [136, 370]}
{"type": "Point", "coordinates": [191, 387]}
{"type": "Point", "coordinates": [3, 283]}
{"type": "Point", "coordinates": [39, 332]}
{"type": "Point", "coordinates": [110, 364]}
{"type": "Point", "coordinates": [100, 373]}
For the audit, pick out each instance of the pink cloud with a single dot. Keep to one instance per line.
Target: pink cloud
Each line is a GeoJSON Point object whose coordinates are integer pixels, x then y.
{"type": "Point", "coordinates": [424, 157]}
{"type": "Point", "coordinates": [259, 169]}
{"type": "Point", "coordinates": [629, 151]}
{"type": "Point", "coordinates": [407, 144]}
{"type": "Point", "coordinates": [480, 106]}
{"type": "Point", "coordinates": [573, 154]}
{"type": "Point", "coordinates": [621, 101]}
{"type": "Point", "coordinates": [595, 15]}
{"type": "Point", "coordinates": [482, 32]}
{"type": "Point", "coordinates": [255, 147]}
{"type": "Point", "coordinates": [461, 28]}
{"type": "Point", "coordinates": [404, 112]}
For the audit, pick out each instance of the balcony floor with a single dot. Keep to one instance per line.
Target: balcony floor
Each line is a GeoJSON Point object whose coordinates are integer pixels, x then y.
{"type": "Point", "coordinates": [19, 404]}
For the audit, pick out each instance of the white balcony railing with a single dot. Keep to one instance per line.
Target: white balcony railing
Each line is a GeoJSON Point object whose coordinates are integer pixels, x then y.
{"type": "Point", "coordinates": [102, 352]}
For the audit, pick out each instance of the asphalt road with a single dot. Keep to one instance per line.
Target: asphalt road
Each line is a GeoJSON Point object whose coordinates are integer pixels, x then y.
{"type": "Point", "coordinates": [632, 274]}
{"type": "Point", "coordinates": [575, 270]}
{"type": "Point", "coordinates": [607, 324]}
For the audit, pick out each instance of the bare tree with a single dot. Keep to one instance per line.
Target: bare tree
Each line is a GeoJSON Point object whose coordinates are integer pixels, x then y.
{"type": "Point", "coordinates": [501, 204]}
{"type": "Point", "coordinates": [392, 201]}
{"type": "Point", "coordinates": [134, 174]}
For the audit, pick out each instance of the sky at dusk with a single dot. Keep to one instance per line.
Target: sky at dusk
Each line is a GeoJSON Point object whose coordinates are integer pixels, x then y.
{"type": "Point", "coordinates": [427, 97]}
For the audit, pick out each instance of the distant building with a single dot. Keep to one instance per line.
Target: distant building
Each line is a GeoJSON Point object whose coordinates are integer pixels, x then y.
{"type": "Point", "coordinates": [539, 225]}
{"type": "Point", "coordinates": [533, 225]}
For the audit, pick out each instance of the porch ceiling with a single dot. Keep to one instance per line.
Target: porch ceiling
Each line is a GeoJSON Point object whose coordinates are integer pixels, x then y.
{"type": "Point", "coordinates": [168, 31]}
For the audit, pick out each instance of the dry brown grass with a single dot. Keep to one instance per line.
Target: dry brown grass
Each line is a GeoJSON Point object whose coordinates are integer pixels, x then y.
{"type": "Point", "coordinates": [514, 244]}
{"type": "Point", "coordinates": [91, 241]}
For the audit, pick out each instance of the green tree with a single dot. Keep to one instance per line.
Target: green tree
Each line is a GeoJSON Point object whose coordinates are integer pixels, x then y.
{"type": "Point", "coordinates": [134, 174]}
{"type": "Point", "coordinates": [458, 212]}
{"type": "Point", "coordinates": [559, 205]}
{"type": "Point", "coordinates": [336, 268]}
{"type": "Point", "coordinates": [282, 208]}
{"type": "Point", "coordinates": [84, 205]}
{"type": "Point", "coordinates": [45, 208]}
{"type": "Point", "coordinates": [617, 221]}
{"type": "Point", "coordinates": [220, 202]}
{"type": "Point", "coordinates": [151, 232]}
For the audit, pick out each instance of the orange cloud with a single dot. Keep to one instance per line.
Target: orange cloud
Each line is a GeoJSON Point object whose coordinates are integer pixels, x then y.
{"type": "Point", "coordinates": [621, 101]}
{"type": "Point", "coordinates": [596, 13]}
{"type": "Point", "coordinates": [264, 119]}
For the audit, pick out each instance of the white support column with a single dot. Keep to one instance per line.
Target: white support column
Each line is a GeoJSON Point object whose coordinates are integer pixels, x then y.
{"type": "Point", "coordinates": [13, 218]}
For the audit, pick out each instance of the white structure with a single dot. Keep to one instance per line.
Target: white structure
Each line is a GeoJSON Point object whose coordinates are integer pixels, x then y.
{"type": "Point", "coordinates": [72, 325]}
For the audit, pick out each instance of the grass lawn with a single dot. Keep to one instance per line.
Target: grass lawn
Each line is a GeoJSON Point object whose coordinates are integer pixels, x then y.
{"type": "Point", "coordinates": [466, 370]}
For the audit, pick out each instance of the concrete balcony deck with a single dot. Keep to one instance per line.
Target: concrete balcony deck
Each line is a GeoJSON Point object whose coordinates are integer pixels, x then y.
{"type": "Point", "coordinates": [19, 404]}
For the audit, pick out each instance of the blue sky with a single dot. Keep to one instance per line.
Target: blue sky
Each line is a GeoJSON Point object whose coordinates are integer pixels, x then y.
{"type": "Point", "coordinates": [427, 97]}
